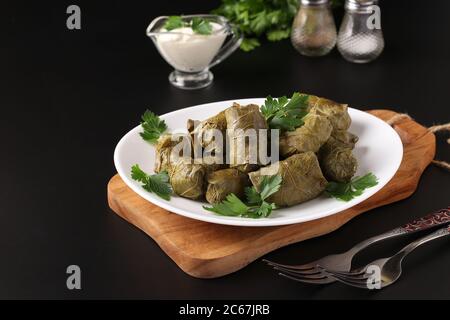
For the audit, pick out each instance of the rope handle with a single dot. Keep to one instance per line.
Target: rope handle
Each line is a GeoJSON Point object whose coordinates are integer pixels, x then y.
{"type": "Point", "coordinates": [437, 128]}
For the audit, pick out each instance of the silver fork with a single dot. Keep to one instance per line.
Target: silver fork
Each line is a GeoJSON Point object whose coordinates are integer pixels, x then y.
{"type": "Point", "coordinates": [313, 272]}
{"type": "Point", "coordinates": [390, 269]}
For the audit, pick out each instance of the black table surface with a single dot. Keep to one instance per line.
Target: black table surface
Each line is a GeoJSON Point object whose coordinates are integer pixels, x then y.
{"type": "Point", "coordinates": [67, 97]}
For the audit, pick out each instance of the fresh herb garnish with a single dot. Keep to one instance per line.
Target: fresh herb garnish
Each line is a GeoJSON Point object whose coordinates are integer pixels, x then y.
{"type": "Point", "coordinates": [156, 183]}
{"type": "Point", "coordinates": [198, 25]}
{"type": "Point", "coordinates": [285, 114]}
{"type": "Point", "coordinates": [174, 22]}
{"type": "Point", "coordinates": [347, 191]}
{"type": "Point", "coordinates": [153, 127]}
{"type": "Point", "coordinates": [256, 206]}
{"type": "Point", "coordinates": [201, 26]}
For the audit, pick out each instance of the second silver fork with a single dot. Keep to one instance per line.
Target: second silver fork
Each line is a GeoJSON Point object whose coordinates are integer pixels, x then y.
{"type": "Point", "coordinates": [383, 272]}
{"type": "Point", "coordinates": [312, 272]}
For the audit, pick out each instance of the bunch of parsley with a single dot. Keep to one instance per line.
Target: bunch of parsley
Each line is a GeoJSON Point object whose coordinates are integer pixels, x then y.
{"type": "Point", "coordinates": [255, 18]}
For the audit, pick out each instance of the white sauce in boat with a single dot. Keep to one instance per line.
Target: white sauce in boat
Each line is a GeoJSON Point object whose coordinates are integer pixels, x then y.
{"type": "Point", "coordinates": [187, 51]}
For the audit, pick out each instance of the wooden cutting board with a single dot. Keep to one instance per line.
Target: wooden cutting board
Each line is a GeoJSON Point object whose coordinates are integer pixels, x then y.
{"type": "Point", "coordinates": [206, 250]}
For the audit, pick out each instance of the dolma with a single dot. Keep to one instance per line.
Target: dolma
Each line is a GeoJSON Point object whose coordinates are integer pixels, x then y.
{"type": "Point", "coordinates": [337, 113]}
{"type": "Point", "coordinates": [347, 138]}
{"type": "Point", "coordinates": [309, 137]}
{"type": "Point", "coordinates": [210, 164]}
{"type": "Point", "coordinates": [204, 133]}
{"type": "Point", "coordinates": [243, 143]}
{"type": "Point", "coordinates": [187, 179]}
{"type": "Point", "coordinates": [337, 160]}
{"type": "Point", "coordinates": [164, 158]}
{"type": "Point", "coordinates": [203, 128]}
{"type": "Point", "coordinates": [223, 182]}
{"type": "Point", "coordinates": [302, 179]}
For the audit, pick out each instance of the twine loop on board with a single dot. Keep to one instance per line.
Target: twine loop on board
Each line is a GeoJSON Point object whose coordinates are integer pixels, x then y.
{"type": "Point", "coordinates": [398, 117]}
{"type": "Point", "coordinates": [436, 128]}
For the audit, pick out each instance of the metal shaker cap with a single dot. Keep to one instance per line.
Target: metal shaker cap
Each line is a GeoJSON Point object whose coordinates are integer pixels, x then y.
{"type": "Point", "coordinates": [360, 4]}
{"type": "Point", "coordinates": [313, 2]}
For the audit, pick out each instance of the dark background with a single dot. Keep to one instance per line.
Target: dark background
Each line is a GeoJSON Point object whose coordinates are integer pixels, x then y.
{"type": "Point", "coordinates": [67, 97]}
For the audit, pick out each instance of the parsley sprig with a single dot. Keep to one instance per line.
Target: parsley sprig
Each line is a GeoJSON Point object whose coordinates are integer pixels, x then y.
{"type": "Point", "coordinates": [348, 191]}
{"type": "Point", "coordinates": [285, 114]}
{"type": "Point", "coordinates": [153, 127]}
{"type": "Point", "coordinates": [256, 206]}
{"type": "Point", "coordinates": [198, 25]}
{"type": "Point", "coordinates": [156, 183]}
{"type": "Point", "coordinates": [201, 26]}
{"type": "Point", "coordinates": [174, 22]}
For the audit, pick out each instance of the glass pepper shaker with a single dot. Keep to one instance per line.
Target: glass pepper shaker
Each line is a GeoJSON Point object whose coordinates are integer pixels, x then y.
{"type": "Point", "coordinates": [313, 30]}
{"type": "Point", "coordinates": [360, 38]}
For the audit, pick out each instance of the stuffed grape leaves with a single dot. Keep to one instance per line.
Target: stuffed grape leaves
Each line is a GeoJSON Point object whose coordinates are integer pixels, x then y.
{"type": "Point", "coordinates": [337, 113]}
{"type": "Point", "coordinates": [210, 134]}
{"type": "Point", "coordinates": [164, 158]}
{"type": "Point", "coordinates": [309, 137]}
{"type": "Point", "coordinates": [337, 160]}
{"type": "Point", "coordinates": [345, 137]}
{"type": "Point", "coordinates": [223, 182]}
{"type": "Point", "coordinates": [302, 179]}
{"type": "Point", "coordinates": [243, 143]}
{"type": "Point", "coordinates": [210, 164]}
{"type": "Point", "coordinates": [203, 129]}
{"type": "Point", "coordinates": [187, 179]}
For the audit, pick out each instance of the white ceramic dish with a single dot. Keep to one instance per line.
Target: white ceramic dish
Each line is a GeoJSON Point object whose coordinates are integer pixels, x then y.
{"type": "Point", "coordinates": [379, 150]}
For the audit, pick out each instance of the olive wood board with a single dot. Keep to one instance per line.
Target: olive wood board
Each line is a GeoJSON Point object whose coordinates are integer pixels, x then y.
{"type": "Point", "coordinates": [207, 250]}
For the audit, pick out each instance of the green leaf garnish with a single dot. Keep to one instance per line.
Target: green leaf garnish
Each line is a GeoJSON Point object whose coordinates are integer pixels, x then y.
{"type": "Point", "coordinates": [198, 25]}
{"type": "Point", "coordinates": [265, 209]}
{"type": "Point", "coordinates": [174, 22]}
{"type": "Point", "coordinates": [201, 26]}
{"type": "Point", "coordinates": [153, 127]}
{"type": "Point", "coordinates": [253, 196]}
{"type": "Point", "coordinates": [348, 191]}
{"type": "Point", "coordinates": [156, 183]}
{"type": "Point", "coordinates": [269, 185]}
{"type": "Point", "coordinates": [256, 206]}
{"type": "Point", "coordinates": [285, 114]}
{"type": "Point", "coordinates": [248, 44]}
{"type": "Point", "coordinates": [231, 206]}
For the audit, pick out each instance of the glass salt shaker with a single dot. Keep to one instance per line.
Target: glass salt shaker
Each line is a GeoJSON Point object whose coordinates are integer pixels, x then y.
{"type": "Point", "coordinates": [360, 38]}
{"type": "Point", "coordinates": [313, 29]}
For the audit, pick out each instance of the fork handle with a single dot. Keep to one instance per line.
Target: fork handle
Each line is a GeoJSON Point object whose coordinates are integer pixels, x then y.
{"type": "Point", "coordinates": [413, 245]}
{"type": "Point", "coordinates": [438, 218]}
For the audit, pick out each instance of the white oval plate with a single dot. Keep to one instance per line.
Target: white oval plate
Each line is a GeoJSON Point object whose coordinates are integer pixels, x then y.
{"type": "Point", "coordinates": [379, 150]}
